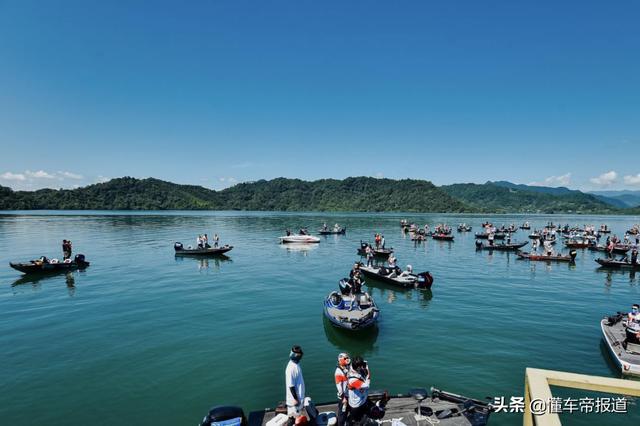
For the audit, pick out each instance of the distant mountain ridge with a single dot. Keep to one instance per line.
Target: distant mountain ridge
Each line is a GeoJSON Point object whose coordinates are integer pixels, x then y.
{"type": "Point", "coordinates": [281, 194]}
{"type": "Point", "coordinates": [626, 198]}
{"type": "Point", "coordinates": [351, 194]}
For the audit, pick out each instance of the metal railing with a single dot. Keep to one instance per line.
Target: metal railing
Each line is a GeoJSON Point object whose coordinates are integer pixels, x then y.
{"type": "Point", "coordinates": [537, 384]}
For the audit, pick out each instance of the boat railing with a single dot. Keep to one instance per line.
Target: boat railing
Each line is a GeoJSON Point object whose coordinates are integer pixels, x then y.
{"type": "Point", "coordinates": [537, 386]}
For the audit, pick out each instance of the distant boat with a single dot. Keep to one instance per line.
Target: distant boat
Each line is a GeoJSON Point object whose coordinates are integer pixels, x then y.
{"type": "Point", "coordinates": [305, 239]}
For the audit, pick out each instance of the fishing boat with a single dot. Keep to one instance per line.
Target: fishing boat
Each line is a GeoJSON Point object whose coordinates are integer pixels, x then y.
{"type": "Point", "coordinates": [617, 249]}
{"type": "Point", "coordinates": [45, 265]}
{"type": "Point", "coordinates": [418, 407]}
{"type": "Point", "coordinates": [604, 229]}
{"type": "Point", "coordinates": [442, 237]}
{"type": "Point", "coordinates": [622, 343]}
{"type": "Point", "coordinates": [577, 244]}
{"type": "Point", "coordinates": [571, 258]}
{"type": "Point", "coordinates": [500, 247]}
{"type": "Point", "coordinates": [525, 226]}
{"type": "Point", "coordinates": [464, 228]}
{"type": "Point", "coordinates": [300, 239]}
{"type": "Point", "coordinates": [396, 277]}
{"type": "Point", "coordinates": [618, 264]}
{"type": "Point", "coordinates": [180, 250]}
{"type": "Point", "coordinates": [377, 252]}
{"type": "Point", "coordinates": [334, 231]}
{"type": "Point", "coordinates": [485, 235]}
{"type": "Point", "coordinates": [351, 311]}
{"type": "Point", "coordinates": [535, 236]}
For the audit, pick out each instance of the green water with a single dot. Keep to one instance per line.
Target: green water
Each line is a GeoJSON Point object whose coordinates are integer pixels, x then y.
{"type": "Point", "coordinates": [144, 338]}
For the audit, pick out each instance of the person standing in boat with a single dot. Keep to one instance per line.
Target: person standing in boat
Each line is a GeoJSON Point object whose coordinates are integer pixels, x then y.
{"type": "Point", "coordinates": [634, 256]}
{"type": "Point", "coordinates": [294, 383]}
{"type": "Point", "coordinates": [216, 240]}
{"type": "Point", "coordinates": [491, 238]}
{"type": "Point", "coordinates": [382, 242]}
{"type": "Point", "coordinates": [369, 252]}
{"type": "Point", "coordinates": [341, 377]}
{"type": "Point", "coordinates": [548, 248]}
{"type": "Point", "coordinates": [392, 261]}
{"type": "Point", "coordinates": [534, 245]}
{"type": "Point", "coordinates": [634, 315]}
{"type": "Point", "coordinates": [66, 249]}
{"type": "Point", "coordinates": [358, 386]}
{"type": "Point", "coordinates": [205, 241]}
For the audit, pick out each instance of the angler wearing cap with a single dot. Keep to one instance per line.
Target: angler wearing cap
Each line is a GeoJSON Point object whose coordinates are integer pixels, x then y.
{"type": "Point", "coordinates": [359, 377]}
{"type": "Point", "coordinates": [294, 383]}
{"type": "Point", "coordinates": [342, 385]}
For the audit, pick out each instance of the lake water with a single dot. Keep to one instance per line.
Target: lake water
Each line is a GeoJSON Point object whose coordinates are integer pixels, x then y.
{"type": "Point", "coordinates": [142, 337]}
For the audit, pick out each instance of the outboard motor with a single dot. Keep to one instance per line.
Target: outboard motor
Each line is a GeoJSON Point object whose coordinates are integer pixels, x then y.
{"type": "Point", "coordinates": [478, 244]}
{"type": "Point", "coordinates": [79, 258]}
{"type": "Point", "coordinates": [345, 286]}
{"type": "Point", "coordinates": [178, 246]}
{"type": "Point", "coordinates": [224, 416]}
{"type": "Point", "coordinates": [573, 255]}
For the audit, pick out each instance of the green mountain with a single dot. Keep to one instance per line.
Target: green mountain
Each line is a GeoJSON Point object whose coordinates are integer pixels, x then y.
{"type": "Point", "coordinates": [500, 198]}
{"type": "Point", "coordinates": [351, 194]}
{"type": "Point", "coordinates": [623, 198]}
{"type": "Point", "coordinates": [561, 190]}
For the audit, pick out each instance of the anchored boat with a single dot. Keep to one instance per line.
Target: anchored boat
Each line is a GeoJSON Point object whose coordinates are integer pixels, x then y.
{"type": "Point", "coordinates": [500, 247]}
{"type": "Point", "coordinates": [350, 311]}
{"type": "Point", "coordinates": [618, 264]}
{"type": "Point", "coordinates": [571, 258]}
{"type": "Point", "coordinates": [393, 276]}
{"type": "Point", "coordinates": [377, 252]}
{"type": "Point", "coordinates": [45, 265]}
{"type": "Point", "coordinates": [201, 251]}
{"type": "Point", "coordinates": [622, 343]}
{"type": "Point", "coordinates": [334, 231]}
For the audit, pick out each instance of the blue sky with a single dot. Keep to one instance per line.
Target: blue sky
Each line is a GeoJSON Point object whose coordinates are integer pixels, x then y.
{"type": "Point", "coordinates": [217, 92]}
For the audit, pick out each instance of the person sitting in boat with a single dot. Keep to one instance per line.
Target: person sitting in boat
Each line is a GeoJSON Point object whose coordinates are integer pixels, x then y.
{"type": "Point", "coordinates": [634, 315]}
{"type": "Point", "coordinates": [407, 272]}
{"type": "Point", "coordinates": [288, 233]}
{"type": "Point", "coordinates": [358, 390]}
{"type": "Point", "coordinates": [392, 261]}
{"type": "Point", "coordinates": [336, 228]}
{"type": "Point", "coordinates": [341, 376]}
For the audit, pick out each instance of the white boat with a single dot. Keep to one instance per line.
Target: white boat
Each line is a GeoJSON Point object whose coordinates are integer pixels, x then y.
{"type": "Point", "coordinates": [625, 354]}
{"type": "Point", "coordinates": [304, 239]}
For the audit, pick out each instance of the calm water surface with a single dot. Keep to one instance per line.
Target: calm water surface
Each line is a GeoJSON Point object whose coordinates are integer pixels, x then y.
{"type": "Point", "coordinates": [144, 338]}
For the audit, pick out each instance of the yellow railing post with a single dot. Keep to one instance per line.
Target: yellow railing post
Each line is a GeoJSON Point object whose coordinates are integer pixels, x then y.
{"type": "Point", "coordinates": [537, 387]}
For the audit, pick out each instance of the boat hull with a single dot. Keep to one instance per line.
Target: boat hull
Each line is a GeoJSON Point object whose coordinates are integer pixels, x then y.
{"type": "Point", "coordinates": [617, 264]}
{"type": "Point", "coordinates": [614, 337]}
{"type": "Point", "coordinates": [47, 268]}
{"type": "Point", "coordinates": [213, 251]}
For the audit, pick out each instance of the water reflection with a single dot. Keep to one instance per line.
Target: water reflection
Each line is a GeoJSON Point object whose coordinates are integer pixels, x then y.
{"type": "Point", "coordinates": [36, 281]}
{"type": "Point", "coordinates": [300, 248]}
{"type": "Point", "coordinates": [390, 294]}
{"type": "Point", "coordinates": [205, 263]}
{"type": "Point", "coordinates": [610, 273]}
{"type": "Point", "coordinates": [355, 342]}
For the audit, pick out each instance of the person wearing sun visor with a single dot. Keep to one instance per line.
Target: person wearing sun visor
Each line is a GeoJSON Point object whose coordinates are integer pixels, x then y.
{"type": "Point", "coordinates": [294, 383]}
{"type": "Point", "coordinates": [634, 315]}
{"type": "Point", "coordinates": [342, 385]}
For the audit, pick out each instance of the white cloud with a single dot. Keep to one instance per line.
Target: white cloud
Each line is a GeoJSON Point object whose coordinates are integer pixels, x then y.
{"type": "Point", "coordinates": [632, 180]}
{"type": "Point", "coordinates": [12, 176]}
{"type": "Point", "coordinates": [102, 179]}
{"type": "Point", "coordinates": [605, 179]}
{"type": "Point", "coordinates": [562, 180]}
{"type": "Point", "coordinates": [70, 175]}
{"type": "Point", "coordinates": [40, 174]}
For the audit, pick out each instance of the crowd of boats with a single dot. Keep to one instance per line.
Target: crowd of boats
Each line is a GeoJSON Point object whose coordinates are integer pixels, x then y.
{"type": "Point", "coordinates": [350, 307]}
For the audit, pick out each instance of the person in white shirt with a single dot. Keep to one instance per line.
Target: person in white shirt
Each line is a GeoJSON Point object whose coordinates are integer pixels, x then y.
{"type": "Point", "coordinates": [341, 376]}
{"type": "Point", "coordinates": [294, 383]}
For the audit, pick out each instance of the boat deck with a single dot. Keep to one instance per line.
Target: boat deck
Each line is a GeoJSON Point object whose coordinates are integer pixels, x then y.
{"type": "Point", "coordinates": [403, 408]}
